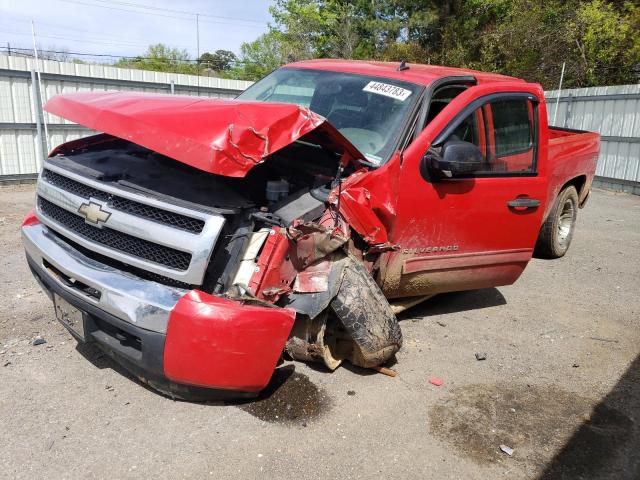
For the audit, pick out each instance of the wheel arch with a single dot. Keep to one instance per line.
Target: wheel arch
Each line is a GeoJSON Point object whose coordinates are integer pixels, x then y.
{"type": "Point", "coordinates": [581, 186]}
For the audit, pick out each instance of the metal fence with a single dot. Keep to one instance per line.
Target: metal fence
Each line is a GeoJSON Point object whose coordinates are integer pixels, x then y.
{"type": "Point", "coordinates": [614, 112]}
{"type": "Point", "coordinates": [23, 143]}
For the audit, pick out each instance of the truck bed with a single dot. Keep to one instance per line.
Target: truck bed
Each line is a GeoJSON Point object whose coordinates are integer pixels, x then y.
{"type": "Point", "coordinates": [571, 154]}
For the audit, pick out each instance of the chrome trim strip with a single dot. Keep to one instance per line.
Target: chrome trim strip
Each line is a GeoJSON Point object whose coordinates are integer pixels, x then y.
{"type": "Point", "coordinates": [200, 245]}
{"type": "Point", "coordinates": [143, 303]}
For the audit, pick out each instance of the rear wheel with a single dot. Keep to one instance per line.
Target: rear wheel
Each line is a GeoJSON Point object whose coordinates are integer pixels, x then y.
{"type": "Point", "coordinates": [557, 230]}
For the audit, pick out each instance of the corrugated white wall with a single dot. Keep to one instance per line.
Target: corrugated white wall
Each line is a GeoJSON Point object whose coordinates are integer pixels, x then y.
{"type": "Point", "coordinates": [614, 112]}
{"type": "Point", "coordinates": [19, 103]}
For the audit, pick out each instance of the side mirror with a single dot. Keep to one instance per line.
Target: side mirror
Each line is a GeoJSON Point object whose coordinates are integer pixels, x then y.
{"type": "Point", "coordinates": [455, 157]}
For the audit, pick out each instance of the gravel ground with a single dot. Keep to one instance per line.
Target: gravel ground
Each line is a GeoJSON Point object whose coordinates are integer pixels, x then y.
{"type": "Point", "coordinates": [560, 385]}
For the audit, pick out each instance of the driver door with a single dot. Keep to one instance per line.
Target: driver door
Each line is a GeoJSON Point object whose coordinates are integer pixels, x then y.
{"type": "Point", "coordinates": [477, 230]}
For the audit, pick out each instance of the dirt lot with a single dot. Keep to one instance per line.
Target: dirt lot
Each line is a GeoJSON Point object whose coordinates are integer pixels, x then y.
{"type": "Point", "coordinates": [560, 385]}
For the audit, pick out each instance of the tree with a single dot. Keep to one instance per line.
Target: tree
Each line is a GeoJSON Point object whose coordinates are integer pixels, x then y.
{"type": "Point", "coordinates": [523, 38]}
{"type": "Point", "coordinates": [218, 61]}
{"type": "Point", "coordinates": [607, 42]}
{"type": "Point", "coordinates": [161, 58]}
{"type": "Point", "coordinates": [260, 57]}
{"type": "Point", "coordinates": [598, 39]}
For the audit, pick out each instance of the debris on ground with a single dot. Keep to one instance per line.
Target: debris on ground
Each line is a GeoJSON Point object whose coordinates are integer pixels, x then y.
{"type": "Point", "coordinates": [442, 324]}
{"type": "Point", "coordinates": [385, 371]}
{"type": "Point", "coordinates": [351, 393]}
{"type": "Point", "coordinates": [575, 365]}
{"type": "Point", "coordinates": [506, 449]}
{"type": "Point", "coordinates": [38, 341]}
{"type": "Point", "coordinates": [481, 356]}
{"type": "Point", "coordinates": [608, 340]}
{"type": "Point", "coordinates": [436, 381]}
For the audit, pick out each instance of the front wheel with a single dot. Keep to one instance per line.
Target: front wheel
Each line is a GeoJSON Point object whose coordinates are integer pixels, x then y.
{"type": "Point", "coordinates": [557, 230]}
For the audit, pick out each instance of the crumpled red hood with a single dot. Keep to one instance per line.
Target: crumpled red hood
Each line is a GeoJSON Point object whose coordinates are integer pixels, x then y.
{"type": "Point", "coordinates": [225, 137]}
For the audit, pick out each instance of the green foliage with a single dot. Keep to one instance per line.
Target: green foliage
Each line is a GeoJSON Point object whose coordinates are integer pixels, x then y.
{"type": "Point", "coordinates": [161, 58]}
{"type": "Point", "coordinates": [598, 39]}
{"type": "Point", "coordinates": [260, 57]}
{"type": "Point", "coordinates": [218, 61]}
{"type": "Point", "coordinates": [608, 42]}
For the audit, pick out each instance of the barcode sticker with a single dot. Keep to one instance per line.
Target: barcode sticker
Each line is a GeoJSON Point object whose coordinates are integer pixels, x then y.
{"type": "Point", "coordinates": [387, 90]}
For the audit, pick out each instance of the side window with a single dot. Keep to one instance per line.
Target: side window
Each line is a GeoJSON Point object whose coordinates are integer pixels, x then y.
{"type": "Point", "coordinates": [513, 135]}
{"type": "Point", "coordinates": [441, 98]}
{"type": "Point", "coordinates": [469, 130]}
{"type": "Point", "coordinates": [473, 130]}
{"type": "Point", "coordinates": [504, 132]}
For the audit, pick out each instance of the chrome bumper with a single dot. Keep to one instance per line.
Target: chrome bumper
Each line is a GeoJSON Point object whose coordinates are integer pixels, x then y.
{"type": "Point", "coordinates": [142, 303]}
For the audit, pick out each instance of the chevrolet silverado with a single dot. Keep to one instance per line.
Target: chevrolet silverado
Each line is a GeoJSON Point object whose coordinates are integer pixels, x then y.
{"type": "Point", "coordinates": [197, 240]}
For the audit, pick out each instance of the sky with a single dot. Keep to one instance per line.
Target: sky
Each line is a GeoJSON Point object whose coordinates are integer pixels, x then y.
{"type": "Point", "coordinates": [127, 27]}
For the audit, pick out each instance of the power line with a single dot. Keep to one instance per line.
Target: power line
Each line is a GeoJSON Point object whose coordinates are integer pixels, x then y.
{"type": "Point", "coordinates": [81, 40]}
{"type": "Point", "coordinates": [79, 2]}
{"type": "Point", "coordinates": [80, 31]}
{"type": "Point", "coordinates": [29, 53]}
{"type": "Point", "coordinates": [163, 9]}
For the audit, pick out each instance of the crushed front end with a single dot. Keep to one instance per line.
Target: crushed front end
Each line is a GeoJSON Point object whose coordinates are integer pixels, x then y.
{"type": "Point", "coordinates": [194, 280]}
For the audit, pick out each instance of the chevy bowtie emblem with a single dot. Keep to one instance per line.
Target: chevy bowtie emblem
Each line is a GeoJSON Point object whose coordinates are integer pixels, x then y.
{"type": "Point", "coordinates": [93, 213]}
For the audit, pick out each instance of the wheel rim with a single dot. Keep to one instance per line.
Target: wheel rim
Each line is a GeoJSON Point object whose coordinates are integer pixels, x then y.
{"type": "Point", "coordinates": [565, 223]}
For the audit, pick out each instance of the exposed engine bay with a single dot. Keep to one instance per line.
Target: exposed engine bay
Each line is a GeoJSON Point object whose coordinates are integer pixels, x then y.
{"type": "Point", "coordinates": [283, 243]}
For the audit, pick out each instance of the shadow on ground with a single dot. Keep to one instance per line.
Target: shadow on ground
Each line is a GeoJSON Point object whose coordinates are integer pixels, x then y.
{"type": "Point", "coordinates": [289, 398]}
{"type": "Point", "coordinates": [607, 444]}
{"type": "Point", "coordinates": [455, 302]}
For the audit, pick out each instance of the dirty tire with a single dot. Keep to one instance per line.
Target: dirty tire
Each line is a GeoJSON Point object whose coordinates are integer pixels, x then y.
{"type": "Point", "coordinates": [366, 315]}
{"type": "Point", "coordinates": [557, 230]}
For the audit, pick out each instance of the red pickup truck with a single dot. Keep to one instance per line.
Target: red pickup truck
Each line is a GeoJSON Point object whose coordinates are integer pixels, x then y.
{"type": "Point", "coordinates": [197, 240]}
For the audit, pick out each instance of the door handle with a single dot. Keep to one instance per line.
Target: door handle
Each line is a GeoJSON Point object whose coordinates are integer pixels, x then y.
{"type": "Point", "coordinates": [523, 203]}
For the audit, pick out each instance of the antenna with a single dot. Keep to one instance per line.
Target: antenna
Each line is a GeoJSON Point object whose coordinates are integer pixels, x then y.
{"type": "Point", "coordinates": [403, 66]}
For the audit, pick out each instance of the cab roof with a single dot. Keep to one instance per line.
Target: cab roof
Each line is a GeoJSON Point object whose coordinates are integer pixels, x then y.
{"type": "Point", "coordinates": [416, 73]}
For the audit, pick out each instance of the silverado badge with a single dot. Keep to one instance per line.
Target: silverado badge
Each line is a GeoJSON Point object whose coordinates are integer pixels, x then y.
{"type": "Point", "coordinates": [93, 213]}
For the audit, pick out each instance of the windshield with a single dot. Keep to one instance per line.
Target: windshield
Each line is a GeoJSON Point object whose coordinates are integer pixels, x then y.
{"type": "Point", "coordinates": [368, 111]}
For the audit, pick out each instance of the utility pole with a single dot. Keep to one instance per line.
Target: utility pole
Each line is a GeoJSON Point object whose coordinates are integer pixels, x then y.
{"type": "Point", "coordinates": [8, 49]}
{"type": "Point", "coordinates": [40, 112]}
{"type": "Point", "coordinates": [198, 36]}
{"type": "Point", "coordinates": [198, 49]}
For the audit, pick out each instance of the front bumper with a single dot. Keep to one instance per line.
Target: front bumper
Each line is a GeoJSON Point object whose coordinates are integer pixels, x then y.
{"type": "Point", "coordinates": [183, 343]}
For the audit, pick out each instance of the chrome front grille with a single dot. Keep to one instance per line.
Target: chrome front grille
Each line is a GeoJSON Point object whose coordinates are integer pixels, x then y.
{"type": "Point", "coordinates": [124, 204]}
{"type": "Point", "coordinates": [122, 242]}
{"type": "Point", "coordinates": [142, 231]}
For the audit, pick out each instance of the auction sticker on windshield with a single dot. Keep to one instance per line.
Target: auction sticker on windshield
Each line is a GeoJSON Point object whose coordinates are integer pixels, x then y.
{"type": "Point", "coordinates": [387, 90]}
